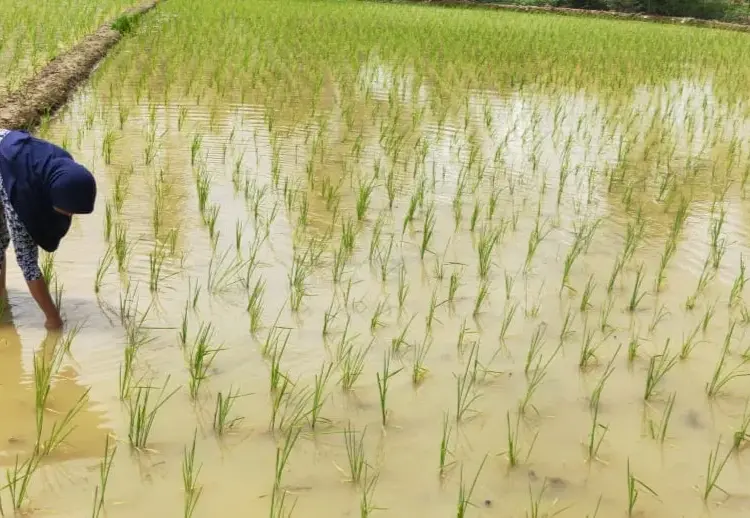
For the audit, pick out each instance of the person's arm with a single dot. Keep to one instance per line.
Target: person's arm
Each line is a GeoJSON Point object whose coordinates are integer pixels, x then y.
{"type": "Point", "coordinates": [40, 291]}
{"type": "Point", "coordinates": [27, 256]}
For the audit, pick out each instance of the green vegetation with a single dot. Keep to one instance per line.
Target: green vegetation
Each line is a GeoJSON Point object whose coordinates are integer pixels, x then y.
{"type": "Point", "coordinates": [408, 232]}
{"type": "Point", "coordinates": [35, 32]}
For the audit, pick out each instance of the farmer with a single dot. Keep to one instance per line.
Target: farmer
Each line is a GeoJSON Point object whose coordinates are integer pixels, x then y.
{"type": "Point", "coordinates": [42, 187]}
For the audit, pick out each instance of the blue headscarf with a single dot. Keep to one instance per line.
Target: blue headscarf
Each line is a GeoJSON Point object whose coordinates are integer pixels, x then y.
{"type": "Point", "coordinates": [38, 177]}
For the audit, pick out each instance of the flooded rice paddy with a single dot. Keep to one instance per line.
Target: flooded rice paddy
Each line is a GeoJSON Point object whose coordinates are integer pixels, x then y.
{"type": "Point", "coordinates": [360, 259]}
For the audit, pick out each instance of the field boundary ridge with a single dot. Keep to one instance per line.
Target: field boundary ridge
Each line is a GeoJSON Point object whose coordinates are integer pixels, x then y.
{"type": "Point", "coordinates": [569, 11]}
{"type": "Point", "coordinates": [49, 89]}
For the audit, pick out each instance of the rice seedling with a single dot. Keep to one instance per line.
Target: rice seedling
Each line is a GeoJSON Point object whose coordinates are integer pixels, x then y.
{"type": "Point", "coordinates": [278, 495]}
{"type": "Point", "coordinates": [706, 275]}
{"type": "Point", "coordinates": [658, 367]}
{"type": "Point", "coordinates": [428, 230]}
{"type": "Point", "coordinates": [101, 269]}
{"type": "Point", "coordinates": [190, 471]}
{"type": "Point", "coordinates": [47, 267]}
{"type": "Point", "coordinates": [108, 143]}
{"type": "Point", "coordinates": [108, 221]}
{"type": "Point", "coordinates": [741, 435]}
{"type": "Point", "coordinates": [355, 452]}
{"type": "Point", "coordinates": [203, 189]}
{"type": "Point", "coordinates": [453, 285]}
{"type": "Point", "coordinates": [659, 315]}
{"type": "Point", "coordinates": [384, 258]}
{"type": "Point", "coordinates": [535, 379]}
{"type": "Point", "coordinates": [329, 315]}
{"type": "Point", "coordinates": [364, 193]}
{"type": "Point", "coordinates": [445, 451]}
{"type": "Point", "coordinates": [255, 305]}
{"type": "Point", "coordinates": [658, 430]}
{"type": "Point", "coordinates": [513, 451]}
{"type": "Point", "coordinates": [586, 296]}
{"type": "Point", "coordinates": [735, 295]}
{"type": "Point", "coordinates": [291, 406]}
{"type": "Point", "coordinates": [718, 242]}
{"type": "Point", "coordinates": [633, 235]}
{"type": "Point", "coordinates": [403, 287]}
{"type": "Point", "coordinates": [430, 317]}
{"type": "Point", "coordinates": [210, 217]}
{"type": "Point", "coordinates": [142, 414]}
{"type": "Point", "coordinates": [383, 378]}
{"type": "Point", "coordinates": [635, 485]}
{"type": "Point", "coordinates": [488, 238]}
{"type": "Point", "coordinates": [376, 320]}
{"type": "Point", "coordinates": [18, 480]}
{"type": "Point", "coordinates": [689, 343]}
{"type": "Point", "coordinates": [616, 270]}
{"type": "Point", "coordinates": [66, 340]}
{"type": "Point", "coordinates": [122, 247]}
{"type": "Point", "coordinates": [340, 259]}
{"type": "Point", "coordinates": [707, 316]}
{"type": "Point", "coordinates": [156, 259]}
{"type": "Point", "coordinates": [419, 371]}
{"type": "Point", "coordinates": [121, 189]}
{"type": "Point", "coordinates": [537, 235]}
{"type": "Point", "coordinates": [484, 291]}
{"type": "Point", "coordinates": [126, 380]}
{"type": "Point", "coordinates": [298, 274]}
{"type": "Point", "coordinates": [721, 377]}
{"type": "Point", "coordinates": [714, 469]}
{"type": "Point", "coordinates": [466, 394]}
{"type": "Point", "coordinates": [366, 505]}
{"type": "Point", "coordinates": [596, 394]}
{"type": "Point", "coordinates": [319, 396]}
{"type": "Point", "coordinates": [105, 467]}
{"type": "Point", "coordinates": [377, 230]}
{"type": "Point", "coordinates": [62, 428]}
{"type": "Point", "coordinates": [636, 296]}
{"type": "Point", "coordinates": [275, 354]}
{"type": "Point", "coordinates": [400, 341]}
{"type": "Point", "coordinates": [535, 347]}
{"type": "Point", "coordinates": [200, 358]}
{"type": "Point", "coordinates": [598, 431]}
{"type": "Point", "coordinates": [465, 492]}
{"type": "Point", "coordinates": [222, 274]}
{"type": "Point", "coordinates": [570, 259]}
{"type": "Point", "coordinates": [223, 420]}
{"type": "Point", "coordinates": [587, 356]}
{"type": "Point", "coordinates": [348, 235]}
{"type": "Point", "coordinates": [44, 368]}
{"type": "Point", "coordinates": [535, 504]}
{"type": "Point", "coordinates": [351, 364]}
{"type": "Point", "coordinates": [508, 314]}
{"type": "Point", "coordinates": [195, 147]}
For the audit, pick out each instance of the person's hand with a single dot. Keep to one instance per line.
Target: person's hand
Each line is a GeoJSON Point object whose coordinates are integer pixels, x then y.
{"type": "Point", "coordinates": [53, 323]}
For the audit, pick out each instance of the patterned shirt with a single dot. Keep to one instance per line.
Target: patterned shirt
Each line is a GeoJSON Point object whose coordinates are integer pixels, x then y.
{"type": "Point", "coordinates": [27, 251]}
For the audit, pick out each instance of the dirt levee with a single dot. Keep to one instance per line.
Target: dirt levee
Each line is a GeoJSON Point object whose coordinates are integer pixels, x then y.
{"type": "Point", "coordinates": [51, 87]}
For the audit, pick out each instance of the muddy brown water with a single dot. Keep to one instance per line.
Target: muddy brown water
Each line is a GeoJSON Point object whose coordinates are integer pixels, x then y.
{"type": "Point", "coordinates": [237, 471]}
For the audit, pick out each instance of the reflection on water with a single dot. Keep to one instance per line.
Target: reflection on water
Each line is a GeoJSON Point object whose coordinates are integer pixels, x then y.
{"type": "Point", "coordinates": [18, 428]}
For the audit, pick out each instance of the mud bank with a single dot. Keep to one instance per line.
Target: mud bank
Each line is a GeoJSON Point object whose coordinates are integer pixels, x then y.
{"type": "Point", "coordinates": [50, 88]}
{"type": "Point", "coordinates": [672, 20]}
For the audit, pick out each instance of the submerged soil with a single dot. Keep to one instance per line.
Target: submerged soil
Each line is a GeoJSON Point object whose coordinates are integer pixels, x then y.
{"type": "Point", "coordinates": [49, 89]}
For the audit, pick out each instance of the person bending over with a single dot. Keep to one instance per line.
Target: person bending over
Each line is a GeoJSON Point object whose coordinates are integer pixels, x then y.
{"type": "Point", "coordinates": [42, 187]}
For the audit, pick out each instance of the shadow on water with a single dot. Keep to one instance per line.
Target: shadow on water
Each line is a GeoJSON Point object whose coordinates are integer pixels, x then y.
{"type": "Point", "coordinates": [18, 431]}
